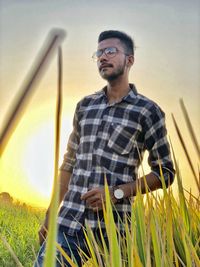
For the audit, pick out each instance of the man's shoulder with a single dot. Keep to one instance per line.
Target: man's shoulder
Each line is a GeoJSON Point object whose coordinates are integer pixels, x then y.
{"type": "Point", "coordinates": [141, 101]}
{"type": "Point", "coordinates": [95, 95]}
{"type": "Point", "coordinates": [87, 100]}
{"type": "Point", "coordinates": [148, 104]}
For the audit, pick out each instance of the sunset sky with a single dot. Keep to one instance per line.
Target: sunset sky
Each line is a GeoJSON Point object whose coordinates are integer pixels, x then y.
{"type": "Point", "coordinates": [167, 67]}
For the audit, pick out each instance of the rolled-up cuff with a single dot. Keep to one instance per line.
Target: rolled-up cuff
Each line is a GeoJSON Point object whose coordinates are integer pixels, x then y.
{"type": "Point", "coordinates": [66, 167]}
{"type": "Point", "coordinates": [167, 174]}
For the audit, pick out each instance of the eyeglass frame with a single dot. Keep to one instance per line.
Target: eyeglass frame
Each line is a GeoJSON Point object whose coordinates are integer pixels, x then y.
{"type": "Point", "coordinates": [96, 58]}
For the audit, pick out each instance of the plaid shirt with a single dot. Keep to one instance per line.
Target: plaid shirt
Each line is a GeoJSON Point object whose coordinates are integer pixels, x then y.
{"type": "Point", "coordinates": [106, 139]}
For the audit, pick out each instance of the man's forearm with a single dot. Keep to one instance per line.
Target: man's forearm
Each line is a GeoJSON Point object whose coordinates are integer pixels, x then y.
{"type": "Point", "coordinates": [130, 189]}
{"type": "Point", "coordinates": [63, 181]}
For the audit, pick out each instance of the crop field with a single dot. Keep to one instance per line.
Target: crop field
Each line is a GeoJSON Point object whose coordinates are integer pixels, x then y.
{"type": "Point", "coordinates": [162, 231]}
{"type": "Point", "coordinates": [19, 225]}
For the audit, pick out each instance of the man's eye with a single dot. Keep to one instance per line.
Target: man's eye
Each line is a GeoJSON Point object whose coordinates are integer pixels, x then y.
{"type": "Point", "coordinates": [110, 51]}
{"type": "Point", "coordinates": [99, 53]}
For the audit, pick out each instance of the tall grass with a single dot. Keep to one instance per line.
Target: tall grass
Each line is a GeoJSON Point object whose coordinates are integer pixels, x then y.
{"type": "Point", "coordinates": [19, 225]}
{"type": "Point", "coordinates": [162, 231]}
{"type": "Point", "coordinates": [50, 257]}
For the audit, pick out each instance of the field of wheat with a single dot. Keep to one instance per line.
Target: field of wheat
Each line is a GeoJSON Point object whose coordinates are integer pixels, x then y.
{"type": "Point", "coordinates": [18, 230]}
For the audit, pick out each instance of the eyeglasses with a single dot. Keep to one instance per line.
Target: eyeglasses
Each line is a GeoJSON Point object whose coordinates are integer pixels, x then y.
{"type": "Point", "coordinates": [110, 52]}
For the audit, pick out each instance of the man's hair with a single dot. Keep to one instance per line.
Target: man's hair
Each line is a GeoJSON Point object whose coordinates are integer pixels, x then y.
{"type": "Point", "coordinates": [125, 39]}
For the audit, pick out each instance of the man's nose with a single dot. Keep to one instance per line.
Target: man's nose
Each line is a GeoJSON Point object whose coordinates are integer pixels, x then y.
{"type": "Point", "coordinates": [103, 57]}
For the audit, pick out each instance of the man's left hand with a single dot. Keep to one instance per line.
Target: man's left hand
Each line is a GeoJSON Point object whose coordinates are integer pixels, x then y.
{"type": "Point", "coordinates": [95, 197]}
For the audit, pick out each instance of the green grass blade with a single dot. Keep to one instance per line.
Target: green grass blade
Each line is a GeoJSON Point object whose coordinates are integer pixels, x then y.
{"type": "Point", "coordinates": [50, 256]}
{"type": "Point", "coordinates": [187, 252]}
{"type": "Point", "coordinates": [183, 206]}
{"type": "Point", "coordinates": [17, 108]}
{"type": "Point", "coordinates": [140, 226]}
{"type": "Point", "coordinates": [156, 241]}
{"type": "Point", "coordinates": [105, 253]}
{"type": "Point", "coordinates": [169, 229]}
{"type": "Point", "coordinates": [192, 251]}
{"type": "Point", "coordinates": [9, 248]}
{"type": "Point", "coordinates": [186, 152]}
{"type": "Point", "coordinates": [64, 254]}
{"type": "Point", "coordinates": [115, 253]}
{"type": "Point", "coordinates": [128, 246]}
{"type": "Point", "coordinates": [190, 128]}
{"type": "Point", "coordinates": [90, 244]}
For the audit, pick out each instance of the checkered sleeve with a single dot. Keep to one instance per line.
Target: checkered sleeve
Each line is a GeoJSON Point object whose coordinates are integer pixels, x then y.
{"type": "Point", "coordinates": [72, 146]}
{"type": "Point", "coordinates": [157, 144]}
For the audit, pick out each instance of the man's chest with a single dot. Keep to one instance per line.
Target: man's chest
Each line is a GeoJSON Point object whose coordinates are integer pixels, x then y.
{"type": "Point", "coordinates": [116, 126]}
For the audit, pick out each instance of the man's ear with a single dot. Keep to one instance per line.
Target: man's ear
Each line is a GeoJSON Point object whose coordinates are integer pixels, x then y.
{"type": "Point", "coordinates": [130, 60]}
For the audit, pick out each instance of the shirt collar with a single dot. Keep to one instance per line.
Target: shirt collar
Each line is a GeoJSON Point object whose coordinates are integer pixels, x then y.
{"type": "Point", "coordinates": [130, 97]}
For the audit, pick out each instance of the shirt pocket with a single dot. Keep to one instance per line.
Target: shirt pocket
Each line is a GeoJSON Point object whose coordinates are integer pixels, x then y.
{"type": "Point", "coordinates": [121, 138]}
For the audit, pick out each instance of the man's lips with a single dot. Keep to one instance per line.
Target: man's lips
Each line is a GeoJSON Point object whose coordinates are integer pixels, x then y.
{"type": "Point", "coordinates": [103, 66]}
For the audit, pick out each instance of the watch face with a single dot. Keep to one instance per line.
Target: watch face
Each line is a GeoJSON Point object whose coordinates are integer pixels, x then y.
{"type": "Point", "coordinates": [119, 193]}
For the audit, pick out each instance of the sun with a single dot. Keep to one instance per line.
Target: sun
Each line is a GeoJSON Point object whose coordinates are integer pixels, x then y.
{"type": "Point", "coordinates": [27, 165]}
{"type": "Point", "coordinates": [38, 156]}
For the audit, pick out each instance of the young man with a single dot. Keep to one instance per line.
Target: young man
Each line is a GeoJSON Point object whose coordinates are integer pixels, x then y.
{"type": "Point", "coordinates": [111, 130]}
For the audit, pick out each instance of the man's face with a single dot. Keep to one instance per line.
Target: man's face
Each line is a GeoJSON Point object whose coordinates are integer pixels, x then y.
{"type": "Point", "coordinates": [110, 68]}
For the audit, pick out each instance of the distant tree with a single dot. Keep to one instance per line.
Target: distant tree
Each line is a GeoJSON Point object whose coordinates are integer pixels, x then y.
{"type": "Point", "coordinates": [24, 205]}
{"type": "Point", "coordinates": [6, 197]}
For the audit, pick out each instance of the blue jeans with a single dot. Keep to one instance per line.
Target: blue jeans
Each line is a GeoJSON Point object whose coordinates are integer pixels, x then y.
{"type": "Point", "coordinates": [69, 245]}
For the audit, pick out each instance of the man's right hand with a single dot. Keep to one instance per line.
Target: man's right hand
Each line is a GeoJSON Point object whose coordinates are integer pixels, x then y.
{"type": "Point", "coordinates": [64, 178]}
{"type": "Point", "coordinates": [42, 233]}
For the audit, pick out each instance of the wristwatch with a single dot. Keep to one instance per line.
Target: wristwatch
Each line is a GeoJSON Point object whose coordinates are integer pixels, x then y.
{"type": "Point", "coordinates": [118, 193]}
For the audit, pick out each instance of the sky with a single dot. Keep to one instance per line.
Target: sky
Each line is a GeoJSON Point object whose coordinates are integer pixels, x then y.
{"type": "Point", "coordinates": [166, 68]}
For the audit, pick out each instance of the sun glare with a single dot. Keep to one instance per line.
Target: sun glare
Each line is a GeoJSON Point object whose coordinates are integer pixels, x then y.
{"type": "Point", "coordinates": [27, 165]}
{"type": "Point", "coordinates": [38, 156]}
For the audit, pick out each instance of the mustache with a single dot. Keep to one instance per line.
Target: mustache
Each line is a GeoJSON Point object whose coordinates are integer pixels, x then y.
{"type": "Point", "coordinates": [104, 65]}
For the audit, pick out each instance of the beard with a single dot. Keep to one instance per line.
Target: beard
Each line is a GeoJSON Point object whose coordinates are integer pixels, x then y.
{"type": "Point", "coordinates": [115, 74]}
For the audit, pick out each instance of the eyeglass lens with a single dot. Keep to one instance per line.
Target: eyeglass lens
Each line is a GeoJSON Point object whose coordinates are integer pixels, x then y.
{"type": "Point", "coordinates": [109, 51]}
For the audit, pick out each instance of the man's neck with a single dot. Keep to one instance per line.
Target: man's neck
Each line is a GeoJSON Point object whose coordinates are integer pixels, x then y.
{"type": "Point", "coordinates": [116, 90]}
